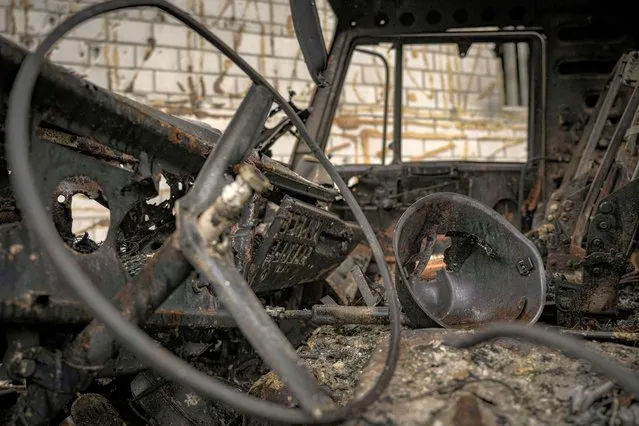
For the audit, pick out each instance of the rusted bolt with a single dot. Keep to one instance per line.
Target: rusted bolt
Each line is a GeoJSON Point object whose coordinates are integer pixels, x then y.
{"type": "Point", "coordinates": [597, 242]}
{"type": "Point", "coordinates": [605, 207]}
{"type": "Point", "coordinates": [604, 226]}
{"type": "Point", "coordinates": [525, 266]}
{"type": "Point", "coordinates": [254, 178]}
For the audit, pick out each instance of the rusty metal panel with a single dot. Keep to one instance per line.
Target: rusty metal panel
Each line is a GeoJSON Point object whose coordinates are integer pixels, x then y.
{"type": "Point", "coordinates": [302, 244]}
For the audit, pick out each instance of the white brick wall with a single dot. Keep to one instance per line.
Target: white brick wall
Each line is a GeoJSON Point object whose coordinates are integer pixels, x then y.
{"type": "Point", "coordinates": [453, 107]}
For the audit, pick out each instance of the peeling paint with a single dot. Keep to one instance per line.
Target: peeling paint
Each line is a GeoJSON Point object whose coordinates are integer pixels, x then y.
{"type": "Point", "coordinates": [289, 25]}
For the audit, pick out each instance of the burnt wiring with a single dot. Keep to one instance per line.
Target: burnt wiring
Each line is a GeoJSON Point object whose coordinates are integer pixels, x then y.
{"type": "Point", "coordinates": [162, 360]}
{"type": "Point", "coordinates": [129, 335]}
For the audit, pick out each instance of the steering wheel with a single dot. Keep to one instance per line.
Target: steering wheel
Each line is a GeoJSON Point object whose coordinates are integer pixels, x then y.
{"type": "Point", "coordinates": [188, 242]}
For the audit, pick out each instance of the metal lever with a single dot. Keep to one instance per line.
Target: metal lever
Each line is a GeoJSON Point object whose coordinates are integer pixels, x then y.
{"type": "Point", "coordinates": [309, 35]}
{"type": "Point", "coordinates": [602, 109]}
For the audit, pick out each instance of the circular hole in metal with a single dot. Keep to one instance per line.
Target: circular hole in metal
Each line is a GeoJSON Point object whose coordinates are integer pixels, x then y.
{"type": "Point", "coordinates": [433, 17]}
{"type": "Point", "coordinates": [407, 19]}
{"type": "Point", "coordinates": [488, 14]}
{"type": "Point", "coordinates": [460, 16]}
{"type": "Point", "coordinates": [81, 213]}
{"type": "Point", "coordinates": [517, 13]}
{"type": "Point", "coordinates": [591, 100]}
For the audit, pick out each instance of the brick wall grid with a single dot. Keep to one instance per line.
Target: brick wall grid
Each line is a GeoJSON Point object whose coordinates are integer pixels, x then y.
{"type": "Point", "coordinates": [453, 107]}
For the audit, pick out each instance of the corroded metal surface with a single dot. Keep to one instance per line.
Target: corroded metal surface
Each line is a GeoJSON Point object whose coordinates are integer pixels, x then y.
{"type": "Point", "coordinates": [124, 125]}
{"type": "Point", "coordinates": [303, 243]}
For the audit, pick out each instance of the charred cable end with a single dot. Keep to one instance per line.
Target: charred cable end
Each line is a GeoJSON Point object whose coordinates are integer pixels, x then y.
{"type": "Point", "coordinates": [218, 218]}
{"type": "Point", "coordinates": [254, 178]}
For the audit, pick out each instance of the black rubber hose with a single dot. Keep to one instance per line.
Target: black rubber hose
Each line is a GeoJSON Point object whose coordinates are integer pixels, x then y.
{"type": "Point", "coordinates": [570, 345]}
{"type": "Point", "coordinates": [130, 336]}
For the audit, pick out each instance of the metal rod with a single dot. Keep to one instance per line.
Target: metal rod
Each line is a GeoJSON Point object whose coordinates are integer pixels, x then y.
{"type": "Point", "coordinates": [308, 30]}
{"type": "Point", "coordinates": [633, 138]}
{"type": "Point", "coordinates": [338, 314]}
{"type": "Point", "coordinates": [369, 298]}
{"type": "Point", "coordinates": [510, 74]}
{"type": "Point", "coordinates": [240, 135]}
{"type": "Point", "coordinates": [326, 99]}
{"type": "Point", "coordinates": [523, 55]}
{"type": "Point", "coordinates": [600, 120]}
{"type": "Point", "coordinates": [386, 95]}
{"type": "Point", "coordinates": [604, 168]}
{"type": "Point", "coordinates": [397, 103]}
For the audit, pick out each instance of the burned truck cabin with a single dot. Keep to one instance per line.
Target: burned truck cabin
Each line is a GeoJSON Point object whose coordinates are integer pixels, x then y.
{"type": "Point", "coordinates": [269, 275]}
{"type": "Point", "coordinates": [579, 112]}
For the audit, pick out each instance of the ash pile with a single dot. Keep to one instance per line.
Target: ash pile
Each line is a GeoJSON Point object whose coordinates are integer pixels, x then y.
{"type": "Point", "coordinates": [504, 382]}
